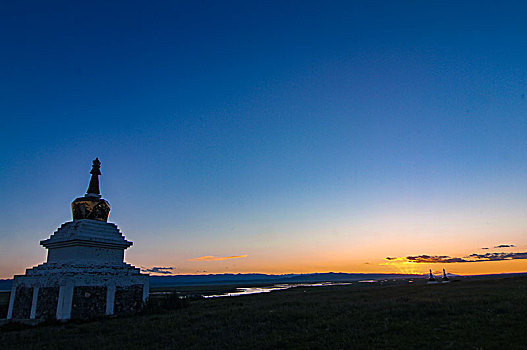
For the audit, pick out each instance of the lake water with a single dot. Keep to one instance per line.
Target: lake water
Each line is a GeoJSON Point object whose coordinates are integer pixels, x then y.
{"type": "Point", "coordinates": [257, 290]}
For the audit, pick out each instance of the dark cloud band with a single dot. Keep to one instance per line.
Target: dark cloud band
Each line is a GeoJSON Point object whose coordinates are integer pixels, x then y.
{"type": "Point", "coordinates": [445, 259]}
{"type": "Point", "coordinates": [160, 269]}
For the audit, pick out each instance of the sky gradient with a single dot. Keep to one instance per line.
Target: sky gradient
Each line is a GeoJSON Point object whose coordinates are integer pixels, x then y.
{"type": "Point", "coordinates": [270, 136]}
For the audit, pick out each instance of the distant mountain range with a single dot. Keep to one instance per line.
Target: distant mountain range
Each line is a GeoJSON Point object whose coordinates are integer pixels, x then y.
{"type": "Point", "coordinates": [187, 280]}
{"type": "Point", "coordinates": [253, 278]}
{"type": "Point", "coordinates": [228, 278]}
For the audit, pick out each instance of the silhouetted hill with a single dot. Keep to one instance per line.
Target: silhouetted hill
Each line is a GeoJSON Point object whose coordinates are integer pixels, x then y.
{"type": "Point", "coordinates": [343, 277]}
{"type": "Point", "coordinates": [182, 280]}
{"type": "Point", "coordinates": [248, 278]}
{"type": "Point", "coordinates": [229, 278]}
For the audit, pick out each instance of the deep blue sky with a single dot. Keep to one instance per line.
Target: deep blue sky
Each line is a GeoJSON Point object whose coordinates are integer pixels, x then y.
{"type": "Point", "coordinates": [230, 128]}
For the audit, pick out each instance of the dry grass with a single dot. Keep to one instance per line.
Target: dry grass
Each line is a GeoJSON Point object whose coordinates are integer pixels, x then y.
{"type": "Point", "coordinates": [479, 314]}
{"type": "Point", "coordinates": [4, 304]}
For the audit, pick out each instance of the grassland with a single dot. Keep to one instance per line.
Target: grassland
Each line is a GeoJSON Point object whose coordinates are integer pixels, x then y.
{"type": "Point", "coordinates": [4, 303]}
{"type": "Point", "coordinates": [202, 290]}
{"type": "Point", "coordinates": [471, 314]}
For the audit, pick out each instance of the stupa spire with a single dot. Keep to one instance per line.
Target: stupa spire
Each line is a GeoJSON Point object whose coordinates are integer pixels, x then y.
{"type": "Point", "coordinates": [91, 206]}
{"type": "Point", "coordinates": [93, 188]}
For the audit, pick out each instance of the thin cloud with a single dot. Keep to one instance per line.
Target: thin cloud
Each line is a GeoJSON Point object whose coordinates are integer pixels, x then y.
{"type": "Point", "coordinates": [505, 246]}
{"type": "Point", "coordinates": [169, 270]}
{"type": "Point", "coordinates": [427, 259]}
{"type": "Point", "coordinates": [499, 256]}
{"type": "Point", "coordinates": [217, 258]}
{"type": "Point", "coordinates": [445, 259]}
{"type": "Point", "coordinates": [485, 248]}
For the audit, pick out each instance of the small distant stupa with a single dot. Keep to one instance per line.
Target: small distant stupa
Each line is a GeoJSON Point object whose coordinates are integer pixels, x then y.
{"type": "Point", "coordinates": [445, 278]}
{"type": "Point", "coordinates": [431, 279]}
{"type": "Point", "coordinates": [85, 274]}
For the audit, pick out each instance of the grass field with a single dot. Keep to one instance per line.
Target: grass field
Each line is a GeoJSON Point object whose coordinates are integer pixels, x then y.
{"type": "Point", "coordinates": [200, 290]}
{"type": "Point", "coordinates": [4, 303]}
{"type": "Point", "coordinates": [471, 314]}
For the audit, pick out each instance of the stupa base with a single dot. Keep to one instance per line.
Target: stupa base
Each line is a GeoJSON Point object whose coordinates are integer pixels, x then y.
{"type": "Point", "coordinates": [77, 291]}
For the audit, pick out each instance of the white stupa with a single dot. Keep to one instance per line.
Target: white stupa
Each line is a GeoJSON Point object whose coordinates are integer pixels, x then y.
{"type": "Point", "coordinates": [445, 278]}
{"type": "Point", "coordinates": [85, 274]}
{"type": "Point", "coordinates": [431, 279]}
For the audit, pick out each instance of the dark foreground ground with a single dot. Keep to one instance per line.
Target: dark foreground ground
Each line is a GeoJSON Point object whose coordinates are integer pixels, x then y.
{"type": "Point", "coordinates": [470, 314]}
